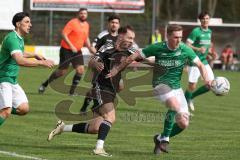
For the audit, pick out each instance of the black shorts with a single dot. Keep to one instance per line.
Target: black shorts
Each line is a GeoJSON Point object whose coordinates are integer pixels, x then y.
{"type": "Point", "coordinates": [67, 57]}
{"type": "Point", "coordinates": [102, 96]}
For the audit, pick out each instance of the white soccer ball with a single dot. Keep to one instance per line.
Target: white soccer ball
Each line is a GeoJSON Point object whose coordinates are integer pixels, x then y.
{"type": "Point", "coordinates": [220, 86]}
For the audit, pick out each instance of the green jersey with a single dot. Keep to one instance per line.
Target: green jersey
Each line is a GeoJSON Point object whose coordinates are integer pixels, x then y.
{"type": "Point", "coordinates": [169, 63]}
{"type": "Point", "coordinates": [9, 68]}
{"type": "Point", "coordinates": [201, 38]}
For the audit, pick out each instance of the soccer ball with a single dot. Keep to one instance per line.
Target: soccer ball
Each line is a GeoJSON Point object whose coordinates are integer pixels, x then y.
{"type": "Point", "coordinates": [220, 86]}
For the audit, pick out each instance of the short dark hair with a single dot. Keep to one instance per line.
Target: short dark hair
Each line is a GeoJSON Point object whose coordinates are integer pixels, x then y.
{"type": "Point", "coordinates": [124, 29]}
{"type": "Point", "coordinates": [18, 17]}
{"type": "Point", "coordinates": [82, 9]}
{"type": "Point", "coordinates": [113, 16]}
{"type": "Point", "coordinates": [173, 27]}
{"type": "Point", "coordinates": [203, 14]}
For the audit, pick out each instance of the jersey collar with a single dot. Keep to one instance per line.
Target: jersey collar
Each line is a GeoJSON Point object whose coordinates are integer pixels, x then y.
{"type": "Point", "coordinates": [17, 34]}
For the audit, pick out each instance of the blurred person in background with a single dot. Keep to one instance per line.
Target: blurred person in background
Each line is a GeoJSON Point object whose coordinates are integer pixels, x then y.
{"type": "Point", "coordinates": [200, 41]}
{"type": "Point", "coordinates": [156, 37]}
{"type": "Point", "coordinates": [227, 57]}
{"type": "Point", "coordinates": [75, 36]}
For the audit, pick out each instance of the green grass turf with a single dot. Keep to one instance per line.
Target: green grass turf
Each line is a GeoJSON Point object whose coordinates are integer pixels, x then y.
{"type": "Point", "coordinates": [214, 132]}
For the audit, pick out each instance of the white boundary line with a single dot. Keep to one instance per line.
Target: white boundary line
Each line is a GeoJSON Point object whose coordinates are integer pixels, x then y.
{"type": "Point", "coordinates": [13, 154]}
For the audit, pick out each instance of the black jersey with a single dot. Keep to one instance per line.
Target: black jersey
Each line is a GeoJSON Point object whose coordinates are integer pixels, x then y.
{"type": "Point", "coordinates": [103, 38]}
{"type": "Point", "coordinates": [110, 57]}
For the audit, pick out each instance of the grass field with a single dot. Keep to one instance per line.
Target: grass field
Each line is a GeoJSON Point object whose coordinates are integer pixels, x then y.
{"type": "Point", "coordinates": [214, 132]}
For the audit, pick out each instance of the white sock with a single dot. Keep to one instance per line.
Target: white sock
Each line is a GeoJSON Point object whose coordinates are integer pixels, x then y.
{"type": "Point", "coordinates": [223, 67]}
{"type": "Point", "coordinates": [100, 143]}
{"type": "Point", "coordinates": [67, 128]}
{"type": "Point", "coordinates": [163, 138]}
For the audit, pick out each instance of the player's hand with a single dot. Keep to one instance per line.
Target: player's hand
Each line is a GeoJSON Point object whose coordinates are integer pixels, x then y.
{"type": "Point", "coordinates": [99, 66]}
{"type": "Point", "coordinates": [47, 63]}
{"type": "Point", "coordinates": [202, 50]}
{"type": "Point", "coordinates": [74, 49]}
{"type": "Point", "coordinates": [39, 57]}
{"type": "Point", "coordinates": [114, 71]}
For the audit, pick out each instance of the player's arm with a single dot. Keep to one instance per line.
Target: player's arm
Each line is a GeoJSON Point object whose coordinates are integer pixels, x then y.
{"type": "Point", "coordinates": [33, 55]}
{"type": "Point", "coordinates": [213, 53]}
{"type": "Point", "coordinates": [201, 49]}
{"type": "Point", "coordinates": [202, 70]}
{"type": "Point", "coordinates": [116, 69]}
{"type": "Point", "coordinates": [96, 63]}
{"type": "Point", "coordinates": [66, 39]}
{"type": "Point", "coordinates": [23, 61]}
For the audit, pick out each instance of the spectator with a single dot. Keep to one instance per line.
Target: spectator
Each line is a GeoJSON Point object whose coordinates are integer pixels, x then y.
{"type": "Point", "coordinates": [156, 37]}
{"type": "Point", "coordinates": [227, 57]}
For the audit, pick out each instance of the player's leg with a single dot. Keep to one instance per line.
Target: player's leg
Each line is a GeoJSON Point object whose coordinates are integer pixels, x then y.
{"type": "Point", "coordinates": [5, 112]}
{"type": "Point", "coordinates": [166, 95]}
{"type": "Point", "coordinates": [203, 89]}
{"type": "Point", "coordinates": [176, 119]}
{"type": "Point", "coordinates": [90, 127]}
{"type": "Point", "coordinates": [12, 101]}
{"type": "Point", "coordinates": [193, 75]}
{"type": "Point", "coordinates": [5, 101]}
{"type": "Point", "coordinates": [107, 111]}
{"type": "Point", "coordinates": [230, 62]}
{"type": "Point", "coordinates": [65, 57]}
{"type": "Point", "coordinates": [76, 79]}
{"type": "Point", "coordinates": [20, 101]}
{"type": "Point", "coordinates": [224, 61]}
{"type": "Point", "coordinates": [86, 102]}
{"type": "Point", "coordinates": [78, 65]}
{"type": "Point", "coordinates": [182, 116]}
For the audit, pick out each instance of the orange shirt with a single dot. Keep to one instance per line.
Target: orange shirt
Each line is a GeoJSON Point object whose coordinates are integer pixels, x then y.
{"type": "Point", "coordinates": [77, 32]}
{"type": "Point", "coordinates": [227, 52]}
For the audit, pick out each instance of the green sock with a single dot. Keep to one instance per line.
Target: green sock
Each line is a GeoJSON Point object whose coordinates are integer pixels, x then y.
{"type": "Point", "coordinates": [176, 130]}
{"type": "Point", "coordinates": [1, 120]}
{"type": "Point", "coordinates": [168, 123]}
{"type": "Point", "coordinates": [199, 91]}
{"type": "Point", "coordinates": [14, 111]}
{"type": "Point", "coordinates": [188, 95]}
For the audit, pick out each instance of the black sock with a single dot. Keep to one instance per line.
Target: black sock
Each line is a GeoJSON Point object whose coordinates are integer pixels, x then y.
{"type": "Point", "coordinates": [75, 81]}
{"type": "Point", "coordinates": [80, 128]}
{"type": "Point", "coordinates": [104, 129]}
{"type": "Point", "coordinates": [87, 101]}
{"type": "Point", "coordinates": [52, 77]}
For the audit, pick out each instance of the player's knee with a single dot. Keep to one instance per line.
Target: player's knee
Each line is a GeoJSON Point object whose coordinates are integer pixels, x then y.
{"type": "Point", "coordinates": [182, 120]}
{"type": "Point", "coordinates": [61, 72]}
{"type": "Point", "coordinates": [94, 130]}
{"type": "Point", "coordinates": [23, 109]}
{"type": "Point", "coordinates": [6, 112]}
{"type": "Point", "coordinates": [191, 86]}
{"type": "Point", "coordinates": [80, 70]}
{"type": "Point", "coordinates": [110, 117]}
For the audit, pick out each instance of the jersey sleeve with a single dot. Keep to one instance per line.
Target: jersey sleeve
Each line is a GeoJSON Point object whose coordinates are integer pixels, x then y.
{"type": "Point", "coordinates": [13, 46]}
{"type": "Point", "coordinates": [192, 37]}
{"type": "Point", "coordinates": [100, 40]}
{"type": "Point", "coordinates": [192, 57]}
{"type": "Point", "coordinates": [149, 51]}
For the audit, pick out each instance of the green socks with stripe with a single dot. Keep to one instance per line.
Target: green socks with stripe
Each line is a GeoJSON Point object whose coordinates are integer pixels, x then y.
{"type": "Point", "coordinates": [201, 90]}
{"type": "Point", "coordinates": [1, 120]}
